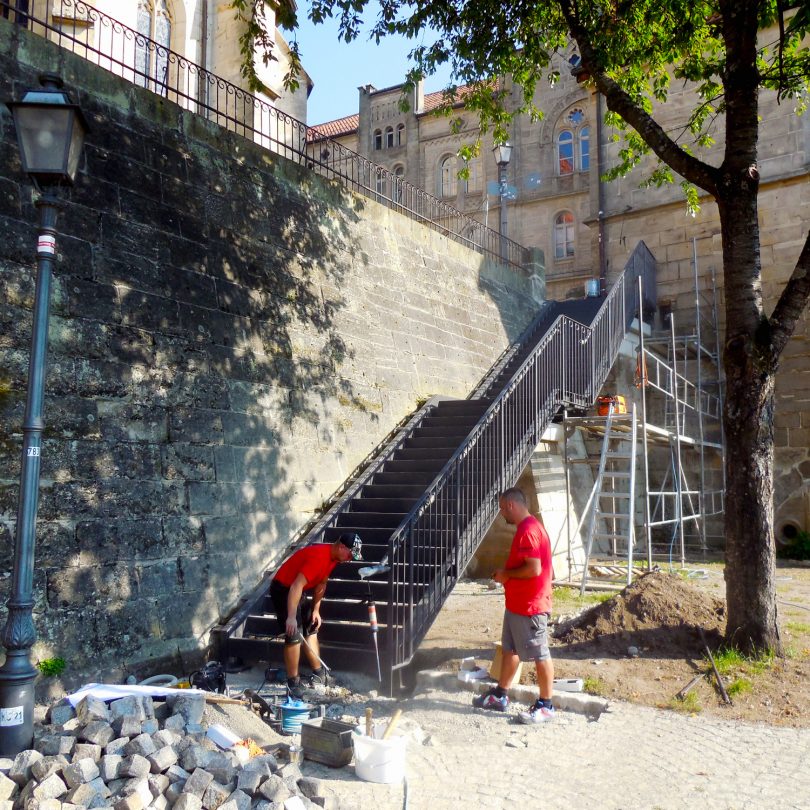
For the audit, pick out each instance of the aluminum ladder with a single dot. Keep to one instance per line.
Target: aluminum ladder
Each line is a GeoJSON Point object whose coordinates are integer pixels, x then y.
{"type": "Point", "coordinates": [611, 514]}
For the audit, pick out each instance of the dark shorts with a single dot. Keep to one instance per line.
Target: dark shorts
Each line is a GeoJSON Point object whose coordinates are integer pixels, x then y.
{"type": "Point", "coordinates": [526, 636]}
{"type": "Point", "coordinates": [303, 616]}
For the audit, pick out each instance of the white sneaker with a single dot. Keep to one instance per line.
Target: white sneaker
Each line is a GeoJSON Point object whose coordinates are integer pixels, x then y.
{"type": "Point", "coordinates": [537, 714]}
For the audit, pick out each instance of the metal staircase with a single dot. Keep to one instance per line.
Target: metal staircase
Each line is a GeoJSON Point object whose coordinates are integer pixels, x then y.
{"type": "Point", "coordinates": [425, 502]}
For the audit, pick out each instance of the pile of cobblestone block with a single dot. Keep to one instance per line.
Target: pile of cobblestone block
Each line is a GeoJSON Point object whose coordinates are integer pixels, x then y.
{"type": "Point", "coordinates": [138, 754]}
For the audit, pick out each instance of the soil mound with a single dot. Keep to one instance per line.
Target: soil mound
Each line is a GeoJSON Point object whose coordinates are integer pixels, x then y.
{"type": "Point", "coordinates": [658, 611]}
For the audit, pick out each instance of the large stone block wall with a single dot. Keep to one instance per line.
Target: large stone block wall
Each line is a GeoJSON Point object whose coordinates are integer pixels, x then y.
{"type": "Point", "coordinates": [230, 336]}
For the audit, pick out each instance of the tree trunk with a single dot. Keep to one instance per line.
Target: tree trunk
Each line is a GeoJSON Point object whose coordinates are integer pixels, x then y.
{"type": "Point", "coordinates": [748, 423]}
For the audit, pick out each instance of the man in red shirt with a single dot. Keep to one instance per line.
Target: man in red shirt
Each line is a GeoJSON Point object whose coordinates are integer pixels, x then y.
{"type": "Point", "coordinates": [526, 579]}
{"type": "Point", "coordinates": [296, 591]}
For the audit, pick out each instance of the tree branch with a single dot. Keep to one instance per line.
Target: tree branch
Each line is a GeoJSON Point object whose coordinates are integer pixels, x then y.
{"type": "Point", "coordinates": [791, 303]}
{"type": "Point", "coordinates": [620, 102]}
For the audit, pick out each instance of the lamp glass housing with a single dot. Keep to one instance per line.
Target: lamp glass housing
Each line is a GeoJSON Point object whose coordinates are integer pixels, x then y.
{"type": "Point", "coordinates": [50, 133]}
{"type": "Point", "coordinates": [503, 153]}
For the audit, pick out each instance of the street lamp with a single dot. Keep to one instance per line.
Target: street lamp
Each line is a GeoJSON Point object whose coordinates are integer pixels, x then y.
{"type": "Point", "coordinates": [50, 134]}
{"type": "Point", "coordinates": [503, 153]}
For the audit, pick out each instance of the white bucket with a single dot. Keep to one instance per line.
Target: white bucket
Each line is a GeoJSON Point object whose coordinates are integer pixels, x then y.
{"type": "Point", "coordinates": [379, 760]}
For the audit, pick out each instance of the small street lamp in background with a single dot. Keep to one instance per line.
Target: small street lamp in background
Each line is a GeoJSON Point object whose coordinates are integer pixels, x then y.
{"type": "Point", "coordinates": [50, 134]}
{"type": "Point", "coordinates": [503, 153]}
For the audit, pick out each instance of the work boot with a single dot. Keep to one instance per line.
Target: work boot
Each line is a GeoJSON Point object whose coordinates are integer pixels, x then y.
{"type": "Point", "coordinates": [319, 677]}
{"type": "Point", "coordinates": [295, 689]}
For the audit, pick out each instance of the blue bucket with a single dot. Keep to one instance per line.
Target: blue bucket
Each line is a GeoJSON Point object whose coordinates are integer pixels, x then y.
{"type": "Point", "coordinates": [293, 713]}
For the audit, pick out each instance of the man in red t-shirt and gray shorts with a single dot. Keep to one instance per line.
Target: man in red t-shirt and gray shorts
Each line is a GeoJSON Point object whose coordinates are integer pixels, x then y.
{"type": "Point", "coordinates": [526, 579]}
{"type": "Point", "coordinates": [296, 591]}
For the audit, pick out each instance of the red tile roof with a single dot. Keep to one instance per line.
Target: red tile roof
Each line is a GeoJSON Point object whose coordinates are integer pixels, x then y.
{"type": "Point", "coordinates": [336, 128]}
{"type": "Point", "coordinates": [349, 124]}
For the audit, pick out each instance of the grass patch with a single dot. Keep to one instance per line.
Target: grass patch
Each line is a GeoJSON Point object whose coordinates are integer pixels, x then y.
{"type": "Point", "coordinates": [798, 627]}
{"type": "Point", "coordinates": [571, 598]}
{"type": "Point", "coordinates": [595, 686]}
{"type": "Point", "coordinates": [689, 705]}
{"type": "Point", "coordinates": [730, 661]}
{"type": "Point", "coordinates": [739, 687]}
{"type": "Point", "coordinates": [52, 667]}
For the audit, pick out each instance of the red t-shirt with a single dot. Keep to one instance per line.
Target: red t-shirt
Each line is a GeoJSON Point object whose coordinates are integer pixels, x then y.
{"type": "Point", "coordinates": [314, 562]}
{"type": "Point", "coordinates": [529, 596]}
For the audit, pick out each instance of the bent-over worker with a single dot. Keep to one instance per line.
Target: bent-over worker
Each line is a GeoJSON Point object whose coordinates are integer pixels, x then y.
{"type": "Point", "coordinates": [296, 591]}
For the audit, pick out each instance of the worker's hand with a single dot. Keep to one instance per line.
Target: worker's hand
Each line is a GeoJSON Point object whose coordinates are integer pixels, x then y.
{"type": "Point", "coordinates": [499, 575]}
{"type": "Point", "coordinates": [291, 628]}
{"type": "Point", "coordinates": [316, 622]}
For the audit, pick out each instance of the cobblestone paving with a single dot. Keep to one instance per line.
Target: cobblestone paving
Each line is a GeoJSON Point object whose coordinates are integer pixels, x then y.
{"type": "Point", "coordinates": [632, 757]}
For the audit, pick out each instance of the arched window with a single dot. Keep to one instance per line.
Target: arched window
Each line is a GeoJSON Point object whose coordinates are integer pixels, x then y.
{"type": "Point", "coordinates": [584, 149]}
{"type": "Point", "coordinates": [399, 179]}
{"type": "Point", "coordinates": [473, 183]}
{"type": "Point", "coordinates": [564, 235]}
{"type": "Point", "coordinates": [154, 24]}
{"type": "Point", "coordinates": [377, 139]}
{"type": "Point", "coordinates": [448, 177]}
{"type": "Point", "coordinates": [382, 182]}
{"type": "Point", "coordinates": [573, 144]}
{"type": "Point", "coordinates": [389, 137]}
{"type": "Point", "coordinates": [565, 152]}
{"type": "Point", "coordinates": [400, 134]}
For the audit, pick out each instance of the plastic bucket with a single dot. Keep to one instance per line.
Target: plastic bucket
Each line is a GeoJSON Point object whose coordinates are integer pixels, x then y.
{"type": "Point", "coordinates": [379, 760]}
{"type": "Point", "coordinates": [293, 713]}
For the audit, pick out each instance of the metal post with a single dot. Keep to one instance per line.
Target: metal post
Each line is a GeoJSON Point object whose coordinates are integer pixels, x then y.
{"type": "Point", "coordinates": [643, 384]}
{"type": "Point", "coordinates": [17, 673]}
{"type": "Point", "coordinates": [502, 195]}
{"type": "Point", "coordinates": [678, 475]}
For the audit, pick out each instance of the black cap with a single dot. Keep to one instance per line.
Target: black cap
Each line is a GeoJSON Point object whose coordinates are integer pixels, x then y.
{"type": "Point", "coordinates": [352, 542]}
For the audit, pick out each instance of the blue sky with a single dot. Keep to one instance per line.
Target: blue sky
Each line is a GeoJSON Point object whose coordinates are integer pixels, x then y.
{"type": "Point", "coordinates": [338, 69]}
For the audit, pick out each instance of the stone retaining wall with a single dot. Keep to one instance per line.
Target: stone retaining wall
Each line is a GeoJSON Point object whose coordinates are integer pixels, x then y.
{"type": "Point", "coordinates": [230, 336]}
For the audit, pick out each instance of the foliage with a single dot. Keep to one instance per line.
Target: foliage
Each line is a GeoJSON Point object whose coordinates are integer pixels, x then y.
{"type": "Point", "coordinates": [595, 686]}
{"type": "Point", "coordinates": [798, 549]}
{"type": "Point", "coordinates": [729, 660]}
{"type": "Point", "coordinates": [52, 667]}
{"type": "Point", "coordinates": [739, 686]}
{"type": "Point", "coordinates": [689, 704]}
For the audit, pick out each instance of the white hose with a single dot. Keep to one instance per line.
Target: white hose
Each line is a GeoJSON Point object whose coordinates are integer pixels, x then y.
{"type": "Point", "coordinates": [166, 681]}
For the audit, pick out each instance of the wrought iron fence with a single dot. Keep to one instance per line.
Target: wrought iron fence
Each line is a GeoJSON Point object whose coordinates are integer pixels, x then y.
{"type": "Point", "coordinates": [105, 41]}
{"type": "Point", "coordinates": [437, 539]}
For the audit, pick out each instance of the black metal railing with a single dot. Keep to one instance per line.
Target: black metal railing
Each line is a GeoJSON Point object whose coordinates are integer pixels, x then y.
{"type": "Point", "coordinates": [106, 42]}
{"type": "Point", "coordinates": [436, 540]}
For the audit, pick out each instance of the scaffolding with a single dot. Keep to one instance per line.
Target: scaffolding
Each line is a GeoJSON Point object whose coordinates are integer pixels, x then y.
{"type": "Point", "coordinates": [668, 445]}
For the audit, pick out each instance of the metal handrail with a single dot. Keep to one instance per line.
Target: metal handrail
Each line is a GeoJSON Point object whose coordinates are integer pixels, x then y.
{"type": "Point", "coordinates": [148, 64]}
{"type": "Point", "coordinates": [435, 541]}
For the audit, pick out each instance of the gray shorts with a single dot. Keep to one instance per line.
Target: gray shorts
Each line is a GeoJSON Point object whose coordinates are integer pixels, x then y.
{"type": "Point", "coordinates": [526, 636]}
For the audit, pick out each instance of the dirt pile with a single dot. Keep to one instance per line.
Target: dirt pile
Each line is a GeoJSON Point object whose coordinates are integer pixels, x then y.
{"type": "Point", "coordinates": [658, 611]}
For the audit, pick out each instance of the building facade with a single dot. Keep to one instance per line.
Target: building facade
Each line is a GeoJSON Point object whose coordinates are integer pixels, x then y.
{"type": "Point", "coordinates": [181, 49]}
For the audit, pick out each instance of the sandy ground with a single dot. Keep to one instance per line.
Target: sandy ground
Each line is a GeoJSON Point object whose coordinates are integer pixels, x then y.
{"type": "Point", "coordinates": [663, 629]}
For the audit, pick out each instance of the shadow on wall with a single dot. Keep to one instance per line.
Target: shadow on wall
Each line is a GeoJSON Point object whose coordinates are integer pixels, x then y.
{"type": "Point", "coordinates": [193, 352]}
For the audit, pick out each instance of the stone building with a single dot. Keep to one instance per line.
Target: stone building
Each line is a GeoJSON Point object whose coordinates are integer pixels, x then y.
{"type": "Point", "coordinates": [588, 228]}
{"type": "Point", "coordinates": [189, 41]}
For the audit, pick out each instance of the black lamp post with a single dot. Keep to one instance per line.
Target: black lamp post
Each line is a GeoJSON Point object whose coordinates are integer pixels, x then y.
{"type": "Point", "coordinates": [503, 153]}
{"type": "Point", "coordinates": [50, 133]}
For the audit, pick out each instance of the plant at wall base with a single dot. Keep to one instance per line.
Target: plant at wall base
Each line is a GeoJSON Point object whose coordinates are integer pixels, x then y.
{"type": "Point", "coordinates": [52, 667]}
{"type": "Point", "coordinates": [631, 53]}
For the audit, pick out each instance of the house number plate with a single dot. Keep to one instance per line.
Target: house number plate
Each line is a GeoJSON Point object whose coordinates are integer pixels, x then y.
{"type": "Point", "coordinates": [12, 716]}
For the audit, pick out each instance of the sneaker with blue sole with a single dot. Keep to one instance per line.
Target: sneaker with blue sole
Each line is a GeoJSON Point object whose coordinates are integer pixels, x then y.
{"type": "Point", "coordinates": [491, 701]}
{"type": "Point", "coordinates": [539, 713]}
